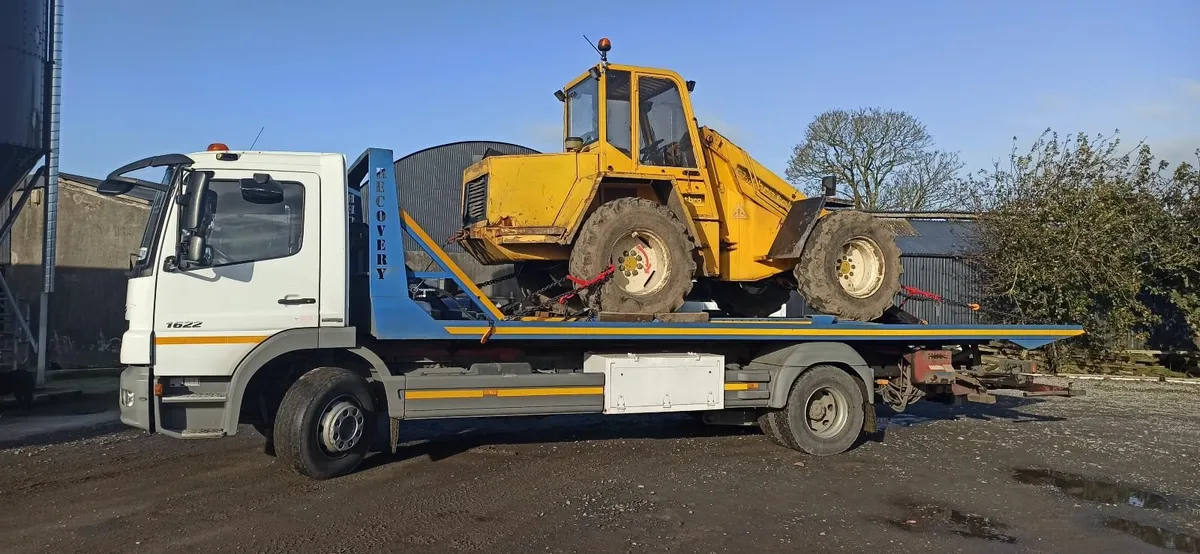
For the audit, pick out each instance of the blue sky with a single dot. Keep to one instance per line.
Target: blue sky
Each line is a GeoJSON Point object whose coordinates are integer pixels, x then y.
{"type": "Point", "coordinates": [143, 77]}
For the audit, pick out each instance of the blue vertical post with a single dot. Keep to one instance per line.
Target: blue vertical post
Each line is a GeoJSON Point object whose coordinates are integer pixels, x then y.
{"type": "Point", "coordinates": [394, 315]}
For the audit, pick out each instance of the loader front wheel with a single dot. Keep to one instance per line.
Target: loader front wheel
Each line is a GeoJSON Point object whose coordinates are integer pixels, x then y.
{"type": "Point", "coordinates": [850, 267]}
{"type": "Point", "coordinates": [649, 250]}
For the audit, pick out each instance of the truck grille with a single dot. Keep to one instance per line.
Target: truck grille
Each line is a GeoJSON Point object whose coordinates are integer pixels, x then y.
{"type": "Point", "coordinates": [475, 201]}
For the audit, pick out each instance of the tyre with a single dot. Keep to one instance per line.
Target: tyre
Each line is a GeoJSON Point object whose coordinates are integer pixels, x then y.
{"type": "Point", "coordinates": [325, 423]}
{"type": "Point", "coordinates": [824, 412]}
{"type": "Point", "coordinates": [648, 246]}
{"type": "Point", "coordinates": [850, 267]}
{"type": "Point", "coordinates": [758, 299]}
{"type": "Point", "coordinates": [767, 423]}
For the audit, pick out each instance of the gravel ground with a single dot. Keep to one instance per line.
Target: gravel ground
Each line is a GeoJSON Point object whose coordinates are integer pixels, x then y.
{"type": "Point", "coordinates": [1105, 472]}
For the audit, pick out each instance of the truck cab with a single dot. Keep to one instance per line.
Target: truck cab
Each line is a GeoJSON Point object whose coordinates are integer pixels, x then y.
{"type": "Point", "coordinates": [238, 247]}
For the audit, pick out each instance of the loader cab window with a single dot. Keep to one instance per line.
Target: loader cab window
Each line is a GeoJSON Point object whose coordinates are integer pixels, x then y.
{"type": "Point", "coordinates": [243, 232]}
{"type": "Point", "coordinates": [664, 139]}
{"type": "Point", "coordinates": [583, 111]}
{"type": "Point", "coordinates": [619, 132]}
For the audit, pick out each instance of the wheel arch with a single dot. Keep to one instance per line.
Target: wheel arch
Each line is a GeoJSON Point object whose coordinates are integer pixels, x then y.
{"type": "Point", "coordinates": [790, 361]}
{"type": "Point", "coordinates": [665, 190]}
{"type": "Point", "coordinates": [291, 353]}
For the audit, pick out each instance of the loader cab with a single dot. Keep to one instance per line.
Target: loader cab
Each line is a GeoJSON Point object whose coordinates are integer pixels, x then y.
{"type": "Point", "coordinates": [638, 119]}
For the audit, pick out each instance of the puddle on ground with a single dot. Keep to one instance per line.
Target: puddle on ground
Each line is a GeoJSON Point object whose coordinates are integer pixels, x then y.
{"type": "Point", "coordinates": [1156, 536]}
{"type": "Point", "coordinates": [1094, 490]}
{"type": "Point", "coordinates": [935, 518]}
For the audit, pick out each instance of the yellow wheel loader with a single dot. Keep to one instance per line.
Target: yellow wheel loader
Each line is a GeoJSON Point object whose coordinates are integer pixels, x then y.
{"type": "Point", "coordinates": [664, 210]}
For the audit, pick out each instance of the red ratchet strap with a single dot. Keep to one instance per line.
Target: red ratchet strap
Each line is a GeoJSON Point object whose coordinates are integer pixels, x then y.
{"type": "Point", "coordinates": [585, 283]}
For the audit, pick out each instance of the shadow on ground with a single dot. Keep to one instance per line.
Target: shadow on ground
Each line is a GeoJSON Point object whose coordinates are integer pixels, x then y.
{"type": "Point", "coordinates": [442, 439]}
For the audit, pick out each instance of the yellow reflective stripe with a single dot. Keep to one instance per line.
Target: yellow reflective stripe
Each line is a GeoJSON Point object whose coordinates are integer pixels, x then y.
{"type": "Point", "coordinates": [726, 331]}
{"type": "Point", "coordinates": [501, 393]}
{"type": "Point", "coordinates": [186, 339]}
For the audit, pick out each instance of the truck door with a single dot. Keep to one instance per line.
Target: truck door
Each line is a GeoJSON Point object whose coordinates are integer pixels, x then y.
{"type": "Point", "coordinates": [260, 276]}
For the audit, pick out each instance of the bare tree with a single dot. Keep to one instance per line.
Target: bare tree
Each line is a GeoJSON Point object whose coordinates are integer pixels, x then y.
{"type": "Point", "coordinates": [885, 158]}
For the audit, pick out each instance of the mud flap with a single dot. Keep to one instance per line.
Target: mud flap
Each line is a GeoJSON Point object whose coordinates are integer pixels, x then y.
{"type": "Point", "coordinates": [796, 227]}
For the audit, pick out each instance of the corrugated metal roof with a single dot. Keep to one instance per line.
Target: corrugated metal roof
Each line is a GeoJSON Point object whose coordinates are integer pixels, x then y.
{"type": "Point", "coordinates": [929, 237]}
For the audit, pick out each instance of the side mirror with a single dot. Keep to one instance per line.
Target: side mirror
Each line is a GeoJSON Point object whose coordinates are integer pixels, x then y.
{"type": "Point", "coordinates": [573, 144]}
{"type": "Point", "coordinates": [114, 186]}
{"type": "Point", "coordinates": [261, 190]}
{"type": "Point", "coordinates": [197, 192]}
{"type": "Point", "coordinates": [194, 215]}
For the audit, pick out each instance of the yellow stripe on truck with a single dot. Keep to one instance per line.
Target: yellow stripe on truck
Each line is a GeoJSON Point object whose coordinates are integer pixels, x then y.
{"type": "Point", "coordinates": [448, 394]}
{"type": "Point", "coordinates": [232, 339]}
{"type": "Point", "coordinates": [719, 331]}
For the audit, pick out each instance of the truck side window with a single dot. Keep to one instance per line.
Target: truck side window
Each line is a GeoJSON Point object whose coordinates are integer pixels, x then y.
{"type": "Point", "coordinates": [620, 131]}
{"type": "Point", "coordinates": [244, 232]}
{"type": "Point", "coordinates": [665, 140]}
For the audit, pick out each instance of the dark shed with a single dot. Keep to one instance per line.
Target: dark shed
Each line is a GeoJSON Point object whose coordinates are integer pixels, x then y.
{"type": "Point", "coordinates": [430, 182]}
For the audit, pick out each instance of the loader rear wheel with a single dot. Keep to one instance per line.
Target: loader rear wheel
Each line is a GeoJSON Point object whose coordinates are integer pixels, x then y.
{"type": "Point", "coordinates": [758, 299]}
{"type": "Point", "coordinates": [649, 249]}
{"type": "Point", "coordinates": [850, 267]}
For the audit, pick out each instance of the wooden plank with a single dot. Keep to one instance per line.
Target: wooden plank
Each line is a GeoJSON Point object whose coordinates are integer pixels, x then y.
{"type": "Point", "coordinates": [684, 317]}
{"type": "Point", "coordinates": [622, 317]}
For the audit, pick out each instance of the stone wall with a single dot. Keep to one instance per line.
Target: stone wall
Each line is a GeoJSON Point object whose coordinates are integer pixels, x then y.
{"type": "Point", "coordinates": [96, 235]}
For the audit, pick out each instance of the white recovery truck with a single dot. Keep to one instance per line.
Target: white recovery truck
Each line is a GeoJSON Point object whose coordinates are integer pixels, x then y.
{"type": "Point", "coordinates": [272, 289]}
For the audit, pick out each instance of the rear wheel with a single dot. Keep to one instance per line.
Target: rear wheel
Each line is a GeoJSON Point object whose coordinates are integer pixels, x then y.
{"type": "Point", "coordinates": [649, 249]}
{"type": "Point", "coordinates": [824, 413]}
{"type": "Point", "coordinates": [325, 423]}
{"type": "Point", "coordinates": [850, 267]}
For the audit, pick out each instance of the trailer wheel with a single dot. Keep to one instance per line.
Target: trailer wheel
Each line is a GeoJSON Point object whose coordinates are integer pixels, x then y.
{"type": "Point", "coordinates": [850, 267]}
{"type": "Point", "coordinates": [649, 249]}
{"type": "Point", "coordinates": [824, 412]}
{"type": "Point", "coordinates": [325, 423]}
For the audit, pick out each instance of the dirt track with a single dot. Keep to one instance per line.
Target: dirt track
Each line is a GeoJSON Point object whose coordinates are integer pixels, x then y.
{"type": "Point", "coordinates": [587, 484]}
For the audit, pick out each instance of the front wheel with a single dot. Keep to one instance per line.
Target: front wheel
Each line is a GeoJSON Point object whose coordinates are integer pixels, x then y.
{"type": "Point", "coordinates": [325, 423]}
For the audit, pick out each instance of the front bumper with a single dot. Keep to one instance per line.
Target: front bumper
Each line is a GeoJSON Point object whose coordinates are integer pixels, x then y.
{"type": "Point", "coordinates": [135, 398]}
